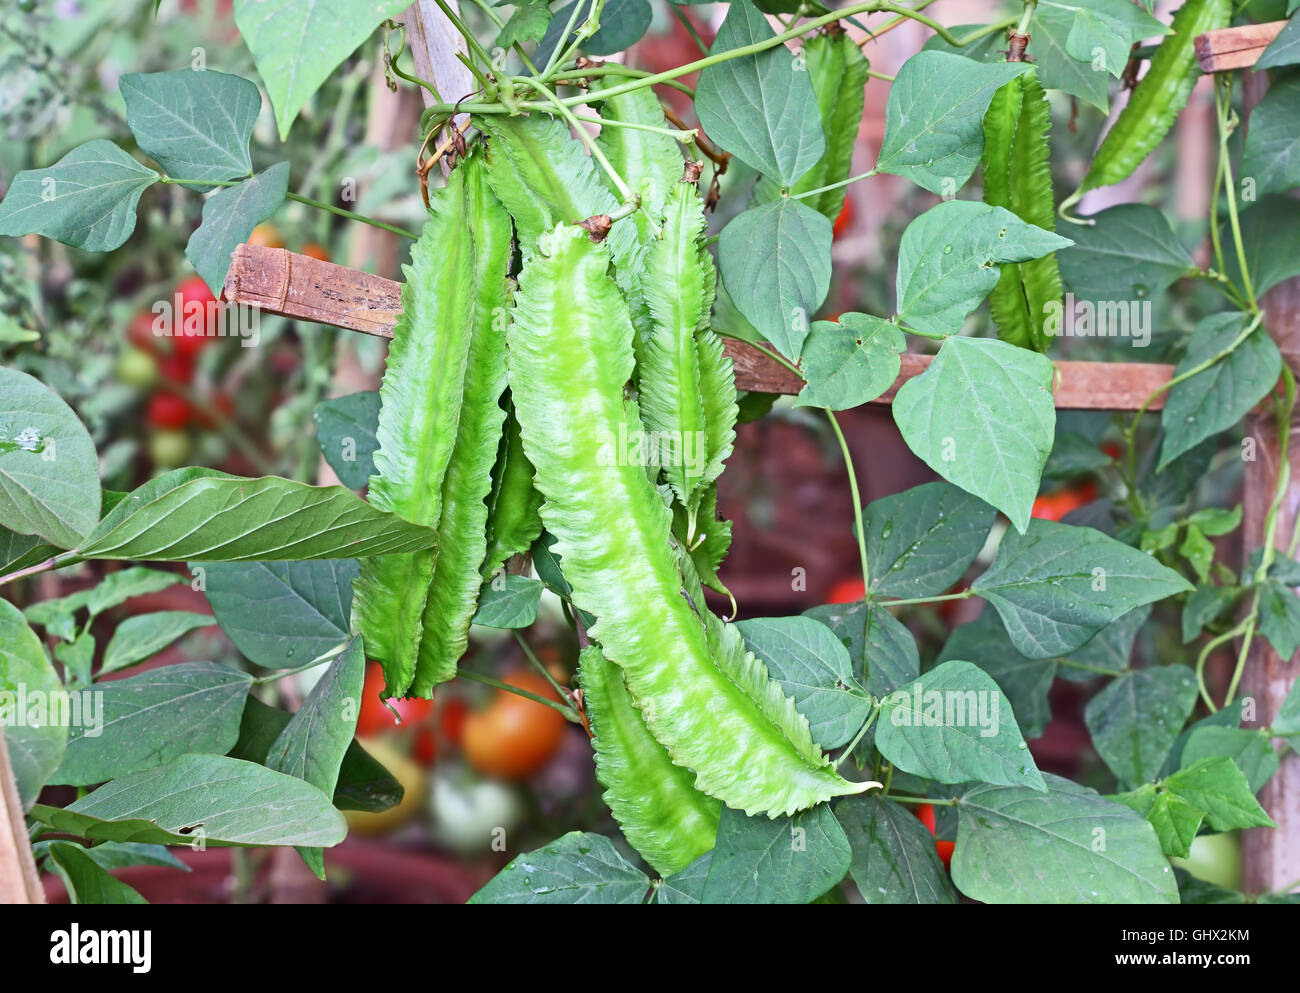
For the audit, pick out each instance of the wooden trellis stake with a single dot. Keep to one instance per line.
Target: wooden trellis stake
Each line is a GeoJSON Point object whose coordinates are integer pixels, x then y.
{"type": "Point", "coordinates": [19, 881]}
{"type": "Point", "coordinates": [285, 283]}
{"type": "Point", "coordinates": [1235, 48]}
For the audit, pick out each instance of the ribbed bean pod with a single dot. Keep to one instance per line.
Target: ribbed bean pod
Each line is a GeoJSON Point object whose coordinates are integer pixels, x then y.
{"type": "Point", "coordinates": [662, 814]}
{"type": "Point", "coordinates": [453, 589]}
{"type": "Point", "coordinates": [1158, 96]}
{"type": "Point", "coordinates": [1018, 176]}
{"type": "Point", "coordinates": [704, 697]}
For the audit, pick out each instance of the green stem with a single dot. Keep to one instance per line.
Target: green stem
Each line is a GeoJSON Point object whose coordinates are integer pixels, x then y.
{"type": "Point", "coordinates": [857, 499]}
{"type": "Point", "coordinates": [924, 799]}
{"type": "Point", "coordinates": [1026, 16]}
{"type": "Point", "coordinates": [834, 186]}
{"type": "Point", "coordinates": [685, 137]}
{"type": "Point", "coordinates": [279, 674]}
{"type": "Point", "coordinates": [1082, 667]}
{"type": "Point", "coordinates": [465, 33]}
{"type": "Point", "coordinates": [624, 191]}
{"type": "Point", "coordinates": [857, 738]}
{"type": "Point", "coordinates": [53, 562]}
{"type": "Point", "coordinates": [963, 595]}
{"type": "Point", "coordinates": [616, 69]}
{"type": "Point", "coordinates": [321, 205]}
{"type": "Point", "coordinates": [560, 48]}
{"type": "Point", "coordinates": [402, 74]}
{"type": "Point", "coordinates": [537, 664]}
{"type": "Point", "coordinates": [1223, 108]}
{"type": "Point", "coordinates": [568, 712]}
{"type": "Point", "coordinates": [690, 28]}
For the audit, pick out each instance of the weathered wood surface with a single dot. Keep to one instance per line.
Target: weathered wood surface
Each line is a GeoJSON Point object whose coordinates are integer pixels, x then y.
{"type": "Point", "coordinates": [1235, 48]}
{"type": "Point", "coordinates": [282, 282]}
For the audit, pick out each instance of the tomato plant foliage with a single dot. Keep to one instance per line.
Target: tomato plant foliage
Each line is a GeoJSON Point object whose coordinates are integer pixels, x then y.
{"type": "Point", "coordinates": [557, 408]}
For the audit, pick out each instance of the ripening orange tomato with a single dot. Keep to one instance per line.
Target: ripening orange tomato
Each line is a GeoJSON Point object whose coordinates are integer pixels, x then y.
{"type": "Point", "coordinates": [514, 736]}
{"type": "Point", "coordinates": [315, 251]}
{"type": "Point", "coordinates": [267, 236]}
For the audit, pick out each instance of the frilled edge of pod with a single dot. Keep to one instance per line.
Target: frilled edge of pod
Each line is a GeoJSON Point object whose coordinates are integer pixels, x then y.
{"type": "Point", "coordinates": [717, 714]}
{"type": "Point", "coordinates": [513, 503]}
{"type": "Point", "coordinates": [462, 527]}
{"type": "Point", "coordinates": [420, 399]}
{"type": "Point", "coordinates": [662, 815]}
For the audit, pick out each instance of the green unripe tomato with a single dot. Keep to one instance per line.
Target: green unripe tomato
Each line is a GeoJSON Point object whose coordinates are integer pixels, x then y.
{"type": "Point", "coordinates": [137, 368]}
{"type": "Point", "coordinates": [1215, 858]}
{"type": "Point", "coordinates": [168, 449]}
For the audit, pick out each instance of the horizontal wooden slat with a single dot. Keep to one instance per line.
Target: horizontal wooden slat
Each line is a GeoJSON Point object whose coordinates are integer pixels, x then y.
{"type": "Point", "coordinates": [281, 282]}
{"type": "Point", "coordinates": [1235, 48]}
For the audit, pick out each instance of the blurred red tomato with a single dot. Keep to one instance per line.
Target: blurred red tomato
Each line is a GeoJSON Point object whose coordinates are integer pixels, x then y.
{"type": "Point", "coordinates": [140, 333]}
{"type": "Point", "coordinates": [451, 719]}
{"type": "Point", "coordinates": [848, 590]}
{"type": "Point", "coordinates": [845, 219]}
{"type": "Point", "coordinates": [925, 813]}
{"type": "Point", "coordinates": [514, 736]}
{"type": "Point", "coordinates": [267, 236]}
{"type": "Point", "coordinates": [1054, 506]}
{"type": "Point", "coordinates": [168, 411]}
{"type": "Point", "coordinates": [944, 850]}
{"type": "Point", "coordinates": [375, 717]}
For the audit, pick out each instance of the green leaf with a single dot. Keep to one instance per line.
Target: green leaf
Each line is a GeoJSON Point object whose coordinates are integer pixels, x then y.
{"type": "Point", "coordinates": [1216, 521]}
{"type": "Point", "coordinates": [1024, 682]}
{"type": "Point", "coordinates": [1105, 28]}
{"type": "Point", "coordinates": [1270, 234]}
{"type": "Point", "coordinates": [920, 541]}
{"type": "Point", "coordinates": [1198, 550]}
{"type": "Point", "coordinates": [1135, 719]}
{"type": "Point", "coordinates": [1205, 605]}
{"type": "Point", "coordinates": [882, 650]}
{"type": "Point", "coordinates": [776, 266]}
{"type": "Point", "coordinates": [345, 432]}
{"type": "Point", "coordinates": [686, 886]}
{"type": "Point", "coordinates": [229, 216]}
{"type": "Point", "coordinates": [894, 860]}
{"type": "Point", "coordinates": [214, 517]}
{"type": "Point", "coordinates": [86, 880]}
{"type": "Point", "coordinates": [363, 783]}
{"type": "Point", "coordinates": [946, 260]}
{"type": "Point", "coordinates": [87, 199]}
{"type": "Point", "coordinates": [1057, 68]}
{"type": "Point", "coordinates": [1284, 50]}
{"type": "Point", "coordinates": [1287, 721]}
{"type": "Point", "coordinates": [815, 670]}
{"type": "Point", "coordinates": [222, 801]}
{"type": "Point", "coordinates": [118, 587]}
{"type": "Point", "coordinates": [1279, 617]}
{"type": "Point", "coordinates": [952, 725]}
{"type": "Point", "coordinates": [77, 657]}
{"type": "Point", "coordinates": [281, 614]}
{"type": "Point", "coordinates": [783, 860]}
{"type": "Point", "coordinates": [14, 333]}
{"type": "Point", "coordinates": [1057, 585]}
{"type": "Point", "coordinates": [312, 745]}
{"type": "Point", "coordinates": [933, 133]}
{"type": "Point", "coordinates": [982, 416]}
{"type": "Point", "coordinates": [18, 551]}
{"type": "Point", "coordinates": [1128, 252]}
{"type": "Point", "coordinates": [1271, 155]}
{"type": "Point", "coordinates": [849, 362]}
{"type": "Point", "coordinates": [1250, 748]}
{"type": "Point", "coordinates": [49, 474]}
{"type": "Point", "coordinates": [575, 868]}
{"type": "Point", "coordinates": [1218, 787]}
{"type": "Point", "coordinates": [1068, 845]}
{"type": "Point", "coordinates": [622, 23]}
{"type": "Point", "coordinates": [152, 718]}
{"type": "Point", "coordinates": [759, 107]}
{"type": "Point", "coordinates": [1175, 820]}
{"type": "Point", "coordinates": [35, 744]}
{"type": "Point", "coordinates": [196, 124]}
{"type": "Point", "coordinates": [120, 855]}
{"type": "Point", "coordinates": [297, 45]}
{"type": "Point", "coordinates": [528, 22]}
{"type": "Point", "coordinates": [1216, 398]}
{"type": "Point", "coordinates": [1108, 651]}
{"type": "Point", "coordinates": [838, 71]}
{"type": "Point", "coordinates": [514, 606]}
{"type": "Point", "coordinates": [136, 638]}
